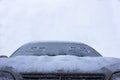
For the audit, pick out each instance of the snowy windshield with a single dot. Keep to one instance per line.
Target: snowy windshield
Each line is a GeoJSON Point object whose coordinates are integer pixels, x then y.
{"type": "Point", "coordinates": [56, 48]}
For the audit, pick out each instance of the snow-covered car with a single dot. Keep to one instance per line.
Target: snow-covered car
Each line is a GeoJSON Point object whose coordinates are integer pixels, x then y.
{"type": "Point", "coordinates": [58, 61]}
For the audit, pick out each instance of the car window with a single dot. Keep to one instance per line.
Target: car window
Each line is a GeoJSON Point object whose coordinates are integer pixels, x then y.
{"type": "Point", "coordinates": [56, 48]}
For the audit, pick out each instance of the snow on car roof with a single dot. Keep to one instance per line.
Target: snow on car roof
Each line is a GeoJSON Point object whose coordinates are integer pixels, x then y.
{"type": "Point", "coordinates": [66, 63]}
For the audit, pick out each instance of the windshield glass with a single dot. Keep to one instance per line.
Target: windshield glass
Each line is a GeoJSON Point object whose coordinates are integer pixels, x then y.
{"type": "Point", "coordinates": [56, 48]}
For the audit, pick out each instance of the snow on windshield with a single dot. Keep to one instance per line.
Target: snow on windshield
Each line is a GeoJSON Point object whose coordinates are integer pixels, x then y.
{"type": "Point", "coordinates": [56, 48]}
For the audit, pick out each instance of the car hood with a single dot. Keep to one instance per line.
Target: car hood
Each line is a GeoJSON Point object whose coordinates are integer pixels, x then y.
{"type": "Point", "coordinates": [66, 63]}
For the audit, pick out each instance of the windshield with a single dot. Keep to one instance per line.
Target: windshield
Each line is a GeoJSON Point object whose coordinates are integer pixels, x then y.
{"type": "Point", "coordinates": [55, 48]}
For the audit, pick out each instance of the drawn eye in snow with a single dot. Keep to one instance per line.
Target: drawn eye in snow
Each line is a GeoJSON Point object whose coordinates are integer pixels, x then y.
{"type": "Point", "coordinates": [37, 48]}
{"type": "Point", "coordinates": [78, 50]}
{"type": "Point", "coordinates": [33, 48]}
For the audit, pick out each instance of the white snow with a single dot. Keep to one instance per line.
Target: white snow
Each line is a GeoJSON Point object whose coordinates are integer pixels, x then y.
{"type": "Point", "coordinates": [66, 63]}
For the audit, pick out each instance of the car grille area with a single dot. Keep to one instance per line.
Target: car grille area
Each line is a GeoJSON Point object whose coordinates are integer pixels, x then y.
{"type": "Point", "coordinates": [63, 76]}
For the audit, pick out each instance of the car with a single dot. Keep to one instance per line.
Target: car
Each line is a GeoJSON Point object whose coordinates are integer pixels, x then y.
{"type": "Point", "coordinates": [58, 61]}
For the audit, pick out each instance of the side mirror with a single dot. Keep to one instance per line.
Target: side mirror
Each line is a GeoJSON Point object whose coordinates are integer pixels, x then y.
{"type": "Point", "coordinates": [3, 56]}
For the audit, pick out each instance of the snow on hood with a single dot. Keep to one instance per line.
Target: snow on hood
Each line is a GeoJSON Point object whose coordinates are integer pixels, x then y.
{"type": "Point", "coordinates": [67, 63]}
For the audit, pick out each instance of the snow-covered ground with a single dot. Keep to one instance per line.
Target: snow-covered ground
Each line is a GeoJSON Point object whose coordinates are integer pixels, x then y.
{"type": "Point", "coordinates": [94, 22]}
